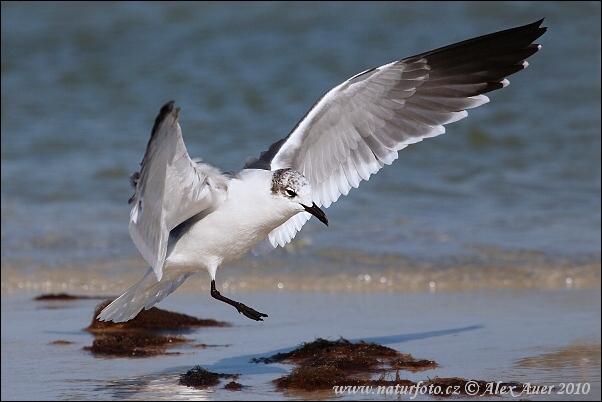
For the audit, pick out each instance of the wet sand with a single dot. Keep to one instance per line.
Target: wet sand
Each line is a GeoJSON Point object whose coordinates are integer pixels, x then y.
{"type": "Point", "coordinates": [539, 337]}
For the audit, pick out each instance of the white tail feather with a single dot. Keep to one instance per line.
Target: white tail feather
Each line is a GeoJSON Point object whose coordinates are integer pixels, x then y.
{"type": "Point", "coordinates": [144, 294]}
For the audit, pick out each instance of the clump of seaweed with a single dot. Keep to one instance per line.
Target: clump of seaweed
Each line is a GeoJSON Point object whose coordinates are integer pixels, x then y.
{"type": "Point", "coordinates": [60, 342]}
{"type": "Point", "coordinates": [62, 297]}
{"type": "Point", "coordinates": [233, 386]}
{"type": "Point", "coordinates": [322, 364]}
{"type": "Point", "coordinates": [132, 344]}
{"type": "Point", "coordinates": [321, 348]}
{"type": "Point", "coordinates": [144, 335]}
{"type": "Point", "coordinates": [200, 377]}
{"type": "Point", "coordinates": [152, 319]}
{"type": "Point", "coordinates": [311, 378]}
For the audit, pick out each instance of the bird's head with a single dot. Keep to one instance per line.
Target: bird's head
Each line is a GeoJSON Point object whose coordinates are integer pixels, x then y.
{"type": "Point", "coordinates": [292, 186]}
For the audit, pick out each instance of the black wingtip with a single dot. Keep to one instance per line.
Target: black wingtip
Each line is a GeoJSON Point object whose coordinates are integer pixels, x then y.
{"type": "Point", "coordinates": [541, 30]}
{"type": "Point", "coordinates": [165, 110]}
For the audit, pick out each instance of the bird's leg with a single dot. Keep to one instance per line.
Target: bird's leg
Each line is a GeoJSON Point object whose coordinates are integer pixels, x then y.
{"type": "Point", "coordinates": [247, 311]}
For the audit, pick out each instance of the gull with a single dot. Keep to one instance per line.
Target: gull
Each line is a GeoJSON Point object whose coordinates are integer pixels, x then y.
{"type": "Point", "coordinates": [188, 216]}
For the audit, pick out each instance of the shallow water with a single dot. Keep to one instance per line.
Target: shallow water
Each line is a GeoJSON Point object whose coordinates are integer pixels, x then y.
{"type": "Point", "coordinates": [508, 200]}
{"type": "Point", "coordinates": [539, 337]}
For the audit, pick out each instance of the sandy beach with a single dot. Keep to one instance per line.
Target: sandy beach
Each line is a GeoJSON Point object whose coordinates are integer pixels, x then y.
{"type": "Point", "coordinates": [539, 337]}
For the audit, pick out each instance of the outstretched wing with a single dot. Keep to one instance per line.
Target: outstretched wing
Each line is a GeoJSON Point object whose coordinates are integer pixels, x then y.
{"type": "Point", "coordinates": [359, 126]}
{"type": "Point", "coordinates": [169, 189]}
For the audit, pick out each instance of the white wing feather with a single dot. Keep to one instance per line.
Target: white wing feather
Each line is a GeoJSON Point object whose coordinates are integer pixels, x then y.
{"type": "Point", "coordinates": [360, 126]}
{"type": "Point", "coordinates": [170, 189]}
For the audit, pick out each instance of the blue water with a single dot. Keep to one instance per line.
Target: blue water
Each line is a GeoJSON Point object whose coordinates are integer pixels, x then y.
{"type": "Point", "coordinates": [83, 82]}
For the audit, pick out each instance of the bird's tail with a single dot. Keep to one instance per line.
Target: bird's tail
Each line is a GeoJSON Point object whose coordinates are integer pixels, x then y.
{"type": "Point", "coordinates": [144, 294]}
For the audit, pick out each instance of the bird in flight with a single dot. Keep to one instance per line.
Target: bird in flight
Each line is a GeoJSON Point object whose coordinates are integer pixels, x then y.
{"type": "Point", "coordinates": [188, 216]}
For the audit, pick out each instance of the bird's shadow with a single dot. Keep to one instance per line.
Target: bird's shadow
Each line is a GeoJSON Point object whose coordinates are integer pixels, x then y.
{"type": "Point", "coordinates": [245, 364]}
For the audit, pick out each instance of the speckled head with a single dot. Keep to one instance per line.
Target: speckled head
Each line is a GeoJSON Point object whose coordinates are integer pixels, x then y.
{"type": "Point", "coordinates": [289, 179]}
{"type": "Point", "coordinates": [291, 184]}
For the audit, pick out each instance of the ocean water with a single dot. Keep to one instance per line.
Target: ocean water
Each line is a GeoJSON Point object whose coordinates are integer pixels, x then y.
{"type": "Point", "coordinates": [83, 82]}
{"type": "Point", "coordinates": [494, 226]}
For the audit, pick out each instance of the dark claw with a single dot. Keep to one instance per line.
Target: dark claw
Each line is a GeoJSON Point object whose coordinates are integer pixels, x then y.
{"type": "Point", "coordinates": [250, 313]}
{"type": "Point", "coordinates": [245, 310]}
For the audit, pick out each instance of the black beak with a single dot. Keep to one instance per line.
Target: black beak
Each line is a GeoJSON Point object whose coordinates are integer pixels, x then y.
{"type": "Point", "coordinates": [317, 212]}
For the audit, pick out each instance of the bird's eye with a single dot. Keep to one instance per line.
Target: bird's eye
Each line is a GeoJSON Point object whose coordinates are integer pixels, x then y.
{"type": "Point", "coordinates": [290, 192]}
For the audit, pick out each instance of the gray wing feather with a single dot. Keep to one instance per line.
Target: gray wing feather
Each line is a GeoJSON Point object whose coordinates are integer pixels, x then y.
{"type": "Point", "coordinates": [169, 189]}
{"type": "Point", "coordinates": [359, 126]}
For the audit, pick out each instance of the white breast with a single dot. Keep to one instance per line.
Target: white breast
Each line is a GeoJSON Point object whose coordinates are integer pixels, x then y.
{"type": "Point", "coordinates": [249, 213]}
